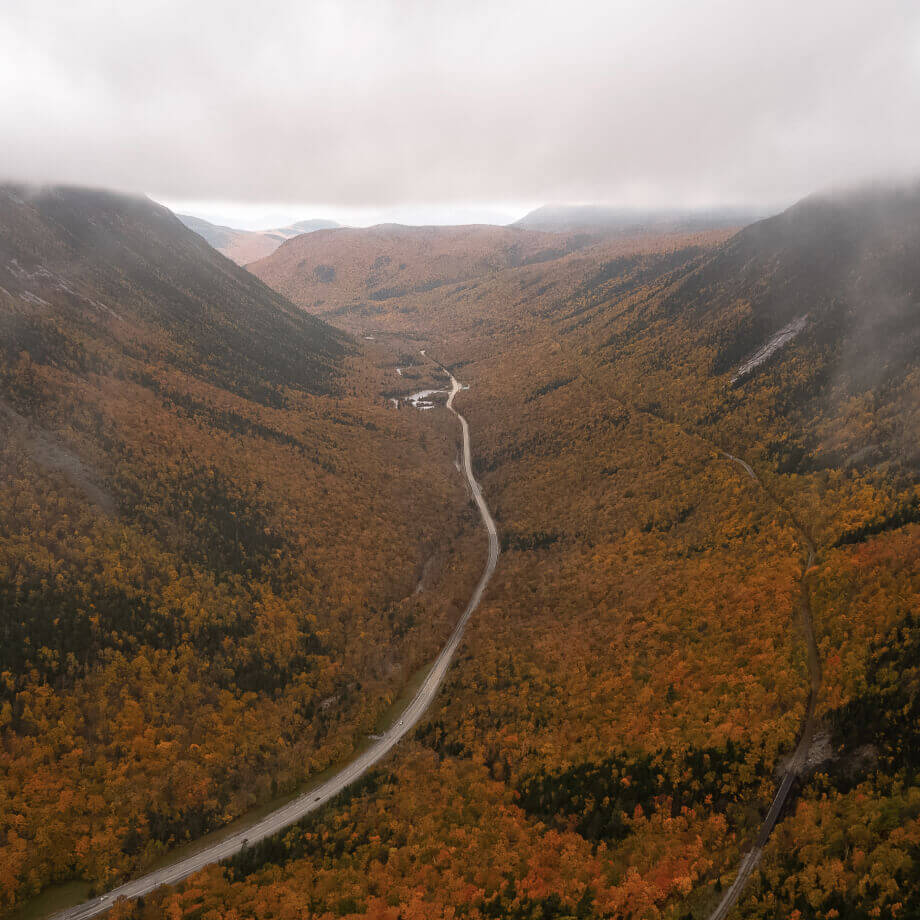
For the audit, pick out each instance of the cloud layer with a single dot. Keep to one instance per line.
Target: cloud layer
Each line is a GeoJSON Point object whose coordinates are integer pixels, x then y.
{"type": "Point", "coordinates": [375, 104]}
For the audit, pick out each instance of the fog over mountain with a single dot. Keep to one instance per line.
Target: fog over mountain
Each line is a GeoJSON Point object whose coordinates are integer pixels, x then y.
{"type": "Point", "coordinates": [563, 218]}
{"type": "Point", "coordinates": [370, 105]}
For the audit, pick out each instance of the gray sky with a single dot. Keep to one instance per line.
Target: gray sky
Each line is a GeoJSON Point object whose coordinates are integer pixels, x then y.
{"type": "Point", "coordinates": [360, 110]}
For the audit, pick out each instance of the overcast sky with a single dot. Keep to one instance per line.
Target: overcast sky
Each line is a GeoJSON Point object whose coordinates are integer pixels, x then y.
{"type": "Point", "coordinates": [358, 110]}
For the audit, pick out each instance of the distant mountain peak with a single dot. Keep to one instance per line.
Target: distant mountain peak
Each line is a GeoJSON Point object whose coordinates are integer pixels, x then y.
{"type": "Point", "coordinates": [244, 246]}
{"type": "Point", "coordinates": [308, 226]}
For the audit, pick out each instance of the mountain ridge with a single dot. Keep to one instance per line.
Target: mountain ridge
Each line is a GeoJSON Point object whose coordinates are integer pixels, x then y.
{"type": "Point", "coordinates": [619, 220]}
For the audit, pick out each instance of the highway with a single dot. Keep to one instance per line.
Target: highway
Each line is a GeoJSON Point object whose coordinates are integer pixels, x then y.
{"type": "Point", "coordinates": [316, 798]}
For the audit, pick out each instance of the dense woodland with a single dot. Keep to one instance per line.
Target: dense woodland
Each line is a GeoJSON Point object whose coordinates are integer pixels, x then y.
{"type": "Point", "coordinates": [611, 733]}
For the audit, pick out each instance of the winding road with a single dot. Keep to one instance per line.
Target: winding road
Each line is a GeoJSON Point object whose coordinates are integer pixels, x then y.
{"type": "Point", "coordinates": [319, 796]}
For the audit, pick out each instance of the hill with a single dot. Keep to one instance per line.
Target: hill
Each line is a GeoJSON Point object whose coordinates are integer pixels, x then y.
{"type": "Point", "coordinates": [370, 269]}
{"type": "Point", "coordinates": [244, 246]}
{"type": "Point", "coordinates": [216, 542]}
{"type": "Point", "coordinates": [91, 258]}
{"type": "Point", "coordinates": [793, 345]}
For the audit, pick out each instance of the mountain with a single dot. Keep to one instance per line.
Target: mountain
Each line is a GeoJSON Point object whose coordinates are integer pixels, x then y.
{"type": "Point", "coordinates": [821, 301]}
{"type": "Point", "coordinates": [90, 258]}
{"type": "Point", "coordinates": [843, 261]}
{"type": "Point", "coordinates": [421, 279]}
{"type": "Point", "coordinates": [216, 540]}
{"type": "Point", "coordinates": [360, 269]}
{"type": "Point", "coordinates": [249, 245]}
{"type": "Point", "coordinates": [609, 220]}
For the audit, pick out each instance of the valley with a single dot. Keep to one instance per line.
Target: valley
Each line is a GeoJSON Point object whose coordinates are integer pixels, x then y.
{"type": "Point", "coordinates": [694, 491]}
{"type": "Point", "coordinates": [459, 461]}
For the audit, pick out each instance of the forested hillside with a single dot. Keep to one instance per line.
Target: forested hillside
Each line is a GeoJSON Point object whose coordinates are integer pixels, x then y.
{"type": "Point", "coordinates": [221, 555]}
{"type": "Point", "coordinates": [638, 675]}
{"type": "Point", "coordinates": [363, 273]}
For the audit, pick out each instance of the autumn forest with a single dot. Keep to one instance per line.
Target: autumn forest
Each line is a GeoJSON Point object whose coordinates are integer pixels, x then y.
{"type": "Point", "coordinates": [232, 540]}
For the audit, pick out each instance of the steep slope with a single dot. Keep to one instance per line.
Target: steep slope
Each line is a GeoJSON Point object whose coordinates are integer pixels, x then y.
{"type": "Point", "coordinates": [93, 257]}
{"type": "Point", "coordinates": [848, 264]}
{"type": "Point", "coordinates": [244, 246]}
{"type": "Point", "coordinates": [212, 535]}
{"type": "Point", "coordinates": [812, 313]}
{"type": "Point", "coordinates": [361, 271]}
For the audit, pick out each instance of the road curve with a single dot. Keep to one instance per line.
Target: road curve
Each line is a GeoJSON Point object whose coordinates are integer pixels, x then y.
{"type": "Point", "coordinates": [795, 763]}
{"type": "Point", "coordinates": [296, 809]}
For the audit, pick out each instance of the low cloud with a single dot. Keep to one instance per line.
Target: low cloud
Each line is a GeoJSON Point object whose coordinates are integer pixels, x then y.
{"type": "Point", "coordinates": [375, 104]}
